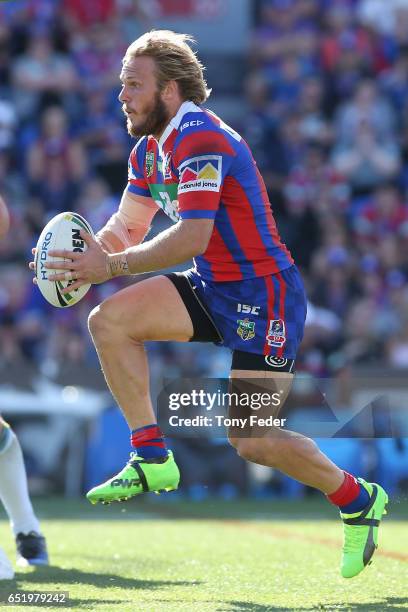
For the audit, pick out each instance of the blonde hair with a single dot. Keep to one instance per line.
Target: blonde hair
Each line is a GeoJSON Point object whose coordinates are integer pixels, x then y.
{"type": "Point", "coordinates": [175, 61]}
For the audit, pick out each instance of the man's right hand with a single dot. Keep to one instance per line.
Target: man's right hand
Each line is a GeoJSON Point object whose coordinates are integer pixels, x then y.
{"type": "Point", "coordinates": [31, 265]}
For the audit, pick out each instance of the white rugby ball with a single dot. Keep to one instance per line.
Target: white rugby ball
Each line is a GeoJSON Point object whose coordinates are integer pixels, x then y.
{"type": "Point", "coordinates": [62, 232]}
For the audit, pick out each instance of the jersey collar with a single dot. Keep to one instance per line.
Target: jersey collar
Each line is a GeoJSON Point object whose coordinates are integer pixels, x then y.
{"type": "Point", "coordinates": [186, 107]}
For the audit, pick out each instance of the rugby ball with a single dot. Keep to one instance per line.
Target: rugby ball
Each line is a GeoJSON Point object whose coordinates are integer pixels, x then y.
{"type": "Point", "coordinates": [62, 232]}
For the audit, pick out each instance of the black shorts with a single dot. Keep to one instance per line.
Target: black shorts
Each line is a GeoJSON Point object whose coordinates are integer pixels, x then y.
{"type": "Point", "coordinates": [204, 327]}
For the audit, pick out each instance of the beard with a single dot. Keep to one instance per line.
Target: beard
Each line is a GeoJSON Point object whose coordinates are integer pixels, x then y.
{"type": "Point", "coordinates": [156, 120]}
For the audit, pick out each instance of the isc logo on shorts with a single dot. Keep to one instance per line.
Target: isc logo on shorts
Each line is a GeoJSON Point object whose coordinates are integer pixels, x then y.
{"type": "Point", "coordinates": [201, 173]}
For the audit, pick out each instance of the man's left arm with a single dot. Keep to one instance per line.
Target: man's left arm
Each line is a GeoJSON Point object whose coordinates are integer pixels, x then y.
{"type": "Point", "coordinates": [179, 243]}
{"type": "Point", "coordinates": [187, 239]}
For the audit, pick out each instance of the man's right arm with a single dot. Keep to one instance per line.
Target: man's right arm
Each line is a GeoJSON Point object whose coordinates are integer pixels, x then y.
{"type": "Point", "coordinates": [129, 225]}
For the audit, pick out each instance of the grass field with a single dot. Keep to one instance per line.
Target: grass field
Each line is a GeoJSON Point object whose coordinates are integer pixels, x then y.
{"type": "Point", "coordinates": [170, 556]}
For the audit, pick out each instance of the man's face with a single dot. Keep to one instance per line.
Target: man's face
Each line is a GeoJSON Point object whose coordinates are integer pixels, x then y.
{"type": "Point", "coordinates": [141, 99]}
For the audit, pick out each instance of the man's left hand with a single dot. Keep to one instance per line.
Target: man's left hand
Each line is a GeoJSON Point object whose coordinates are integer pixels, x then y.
{"type": "Point", "coordinates": [88, 267]}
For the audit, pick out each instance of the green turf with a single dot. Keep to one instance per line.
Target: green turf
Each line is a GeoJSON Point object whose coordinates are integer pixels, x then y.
{"type": "Point", "coordinates": [149, 556]}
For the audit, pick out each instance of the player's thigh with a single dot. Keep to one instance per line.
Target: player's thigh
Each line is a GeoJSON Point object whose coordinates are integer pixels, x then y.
{"type": "Point", "coordinates": [258, 394]}
{"type": "Point", "coordinates": [151, 309]}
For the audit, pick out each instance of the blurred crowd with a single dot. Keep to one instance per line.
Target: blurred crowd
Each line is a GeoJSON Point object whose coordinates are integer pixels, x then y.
{"type": "Point", "coordinates": [63, 146]}
{"type": "Point", "coordinates": [324, 109]}
{"type": "Point", "coordinates": [328, 124]}
{"type": "Point", "coordinates": [326, 94]}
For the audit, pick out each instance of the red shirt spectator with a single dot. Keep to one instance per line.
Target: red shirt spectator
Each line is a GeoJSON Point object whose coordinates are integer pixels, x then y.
{"type": "Point", "coordinates": [84, 14]}
{"type": "Point", "coordinates": [384, 215]}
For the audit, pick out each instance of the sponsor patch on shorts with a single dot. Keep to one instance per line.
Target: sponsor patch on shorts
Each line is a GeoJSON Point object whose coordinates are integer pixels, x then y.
{"type": "Point", "coordinates": [246, 329]}
{"type": "Point", "coordinates": [203, 173]}
{"type": "Point", "coordinates": [277, 334]}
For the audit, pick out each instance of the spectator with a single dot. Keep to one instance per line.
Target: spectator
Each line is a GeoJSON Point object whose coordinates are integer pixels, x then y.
{"type": "Point", "coordinates": [5, 60]}
{"type": "Point", "coordinates": [367, 108]}
{"type": "Point", "coordinates": [96, 203]}
{"type": "Point", "coordinates": [397, 349]}
{"type": "Point", "coordinates": [41, 76]}
{"type": "Point", "coordinates": [81, 15]}
{"type": "Point", "coordinates": [263, 134]}
{"type": "Point", "coordinates": [314, 183]}
{"type": "Point", "coordinates": [314, 124]}
{"type": "Point", "coordinates": [98, 56]}
{"type": "Point", "coordinates": [287, 28]}
{"type": "Point", "coordinates": [366, 158]}
{"type": "Point", "coordinates": [381, 16]}
{"type": "Point", "coordinates": [394, 82]}
{"type": "Point", "coordinates": [96, 124]}
{"type": "Point", "coordinates": [12, 187]}
{"type": "Point", "coordinates": [8, 122]}
{"type": "Point", "coordinates": [56, 163]}
{"type": "Point", "coordinates": [384, 215]}
{"type": "Point", "coordinates": [336, 288]}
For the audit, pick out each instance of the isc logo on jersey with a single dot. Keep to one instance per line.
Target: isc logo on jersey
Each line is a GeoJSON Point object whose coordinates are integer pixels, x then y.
{"type": "Point", "coordinates": [194, 123]}
{"type": "Point", "coordinates": [201, 173]}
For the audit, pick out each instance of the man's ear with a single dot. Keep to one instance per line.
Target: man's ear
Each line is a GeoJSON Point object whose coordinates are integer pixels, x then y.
{"type": "Point", "coordinates": [170, 91]}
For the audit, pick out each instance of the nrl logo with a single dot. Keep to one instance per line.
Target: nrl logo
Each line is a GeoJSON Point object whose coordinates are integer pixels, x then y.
{"type": "Point", "coordinates": [246, 329]}
{"type": "Point", "coordinates": [149, 163]}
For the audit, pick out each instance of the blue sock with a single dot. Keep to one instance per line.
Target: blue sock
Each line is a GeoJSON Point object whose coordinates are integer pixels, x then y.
{"type": "Point", "coordinates": [358, 504]}
{"type": "Point", "coordinates": [149, 442]}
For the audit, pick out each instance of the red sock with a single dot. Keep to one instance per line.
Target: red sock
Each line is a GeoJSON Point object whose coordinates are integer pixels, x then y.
{"type": "Point", "coordinates": [347, 492]}
{"type": "Point", "coordinates": [149, 442]}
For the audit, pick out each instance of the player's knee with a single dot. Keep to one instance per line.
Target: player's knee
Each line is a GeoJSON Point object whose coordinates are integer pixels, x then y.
{"type": "Point", "coordinates": [102, 322]}
{"type": "Point", "coordinates": [94, 322]}
{"type": "Point", "coordinates": [245, 447]}
{"type": "Point", "coordinates": [262, 450]}
{"type": "Point", "coordinates": [306, 448]}
{"type": "Point", "coordinates": [249, 449]}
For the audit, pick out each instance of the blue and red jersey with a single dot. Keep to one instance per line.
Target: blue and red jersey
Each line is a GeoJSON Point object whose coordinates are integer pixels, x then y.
{"type": "Point", "coordinates": [202, 169]}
